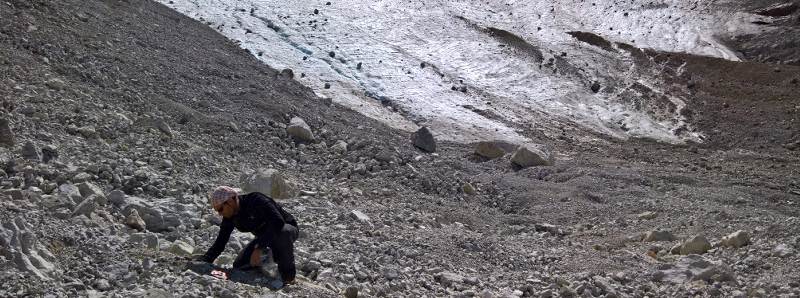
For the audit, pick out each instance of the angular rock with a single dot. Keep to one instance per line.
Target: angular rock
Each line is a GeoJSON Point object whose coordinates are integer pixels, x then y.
{"type": "Point", "coordinates": [81, 177]}
{"type": "Point", "coordinates": [134, 221]}
{"type": "Point", "coordinates": [693, 268]}
{"type": "Point", "coordinates": [467, 188]}
{"type": "Point", "coordinates": [154, 219]}
{"type": "Point", "coordinates": [736, 239]}
{"type": "Point", "coordinates": [70, 191]}
{"type": "Point", "coordinates": [85, 208]}
{"type": "Point", "coordinates": [299, 130]}
{"type": "Point", "coordinates": [181, 248]}
{"type": "Point", "coordinates": [782, 251]}
{"type": "Point", "coordinates": [117, 197]}
{"type": "Point", "coordinates": [87, 189]}
{"type": "Point", "coordinates": [31, 152]}
{"type": "Point", "coordinates": [49, 153]}
{"type": "Point", "coordinates": [448, 278]}
{"type": "Point", "coordinates": [13, 194]}
{"type": "Point", "coordinates": [266, 181]}
{"type": "Point", "coordinates": [531, 155]}
{"type": "Point", "coordinates": [150, 240]}
{"type": "Point", "coordinates": [360, 216]}
{"type": "Point", "coordinates": [7, 138]}
{"type": "Point", "coordinates": [647, 215]}
{"type": "Point", "coordinates": [423, 139]}
{"type": "Point", "coordinates": [351, 292]}
{"type": "Point", "coordinates": [696, 245]}
{"type": "Point", "coordinates": [340, 147]}
{"type": "Point", "coordinates": [659, 235]}
{"type": "Point", "coordinates": [490, 149]}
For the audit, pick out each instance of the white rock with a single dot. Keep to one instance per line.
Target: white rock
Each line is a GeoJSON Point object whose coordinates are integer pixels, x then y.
{"type": "Point", "coordinates": [299, 130]}
{"type": "Point", "coordinates": [360, 216]}
{"type": "Point", "coordinates": [647, 215]}
{"type": "Point", "coordinates": [181, 248]}
{"type": "Point", "coordinates": [531, 155]}
{"type": "Point", "coordinates": [736, 239]}
{"type": "Point", "coordinates": [695, 245]}
{"type": "Point", "coordinates": [782, 251]}
{"type": "Point", "coordinates": [266, 181]}
{"type": "Point", "coordinates": [659, 235]}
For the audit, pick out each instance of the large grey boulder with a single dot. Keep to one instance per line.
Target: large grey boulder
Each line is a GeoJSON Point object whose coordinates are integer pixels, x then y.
{"type": "Point", "coordinates": [266, 181]}
{"type": "Point", "coordinates": [299, 130]}
{"type": "Point", "coordinates": [423, 139]}
{"type": "Point", "coordinates": [531, 155]}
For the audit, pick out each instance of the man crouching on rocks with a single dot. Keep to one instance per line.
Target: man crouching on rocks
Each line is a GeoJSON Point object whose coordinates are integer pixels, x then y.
{"type": "Point", "coordinates": [259, 214]}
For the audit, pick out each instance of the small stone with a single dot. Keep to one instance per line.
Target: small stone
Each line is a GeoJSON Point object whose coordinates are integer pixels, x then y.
{"type": "Point", "coordinates": [287, 73]}
{"type": "Point", "coordinates": [49, 153]}
{"type": "Point", "coordinates": [467, 188]}
{"type": "Point", "coordinates": [659, 235]}
{"type": "Point", "coordinates": [81, 177]}
{"type": "Point", "coordinates": [117, 197]}
{"type": "Point", "coordinates": [181, 248]}
{"type": "Point", "coordinates": [696, 245]}
{"type": "Point", "coordinates": [299, 130]}
{"type": "Point", "coordinates": [360, 216]}
{"type": "Point", "coordinates": [423, 139]}
{"type": "Point", "coordinates": [782, 251]}
{"type": "Point", "coordinates": [150, 240]}
{"type": "Point", "coordinates": [490, 149]}
{"type": "Point", "coordinates": [31, 152]}
{"type": "Point", "coordinates": [448, 278]}
{"type": "Point", "coordinates": [736, 239]}
{"type": "Point", "coordinates": [166, 164]}
{"type": "Point", "coordinates": [7, 138]}
{"type": "Point", "coordinates": [312, 266]}
{"type": "Point", "coordinates": [595, 86]}
{"type": "Point", "coordinates": [531, 155]}
{"type": "Point", "coordinates": [647, 215]}
{"type": "Point", "coordinates": [135, 221]}
{"type": "Point", "coordinates": [85, 208]}
{"type": "Point", "coordinates": [87, 189]}
{"type": "Point", "coordinates": [351, 292]}
{"type": "Point", "coordinates": [340, 147]}
{"type": "Point", "coordinates": [102, 285]}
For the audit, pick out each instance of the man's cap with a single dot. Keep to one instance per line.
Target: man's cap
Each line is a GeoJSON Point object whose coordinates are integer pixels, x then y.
{"type": "Point", "coordinates": [222, 194]}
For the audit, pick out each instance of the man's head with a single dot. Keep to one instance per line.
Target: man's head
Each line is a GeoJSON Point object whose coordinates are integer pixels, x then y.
{"type": "Point", "coordinates": [224, 201]}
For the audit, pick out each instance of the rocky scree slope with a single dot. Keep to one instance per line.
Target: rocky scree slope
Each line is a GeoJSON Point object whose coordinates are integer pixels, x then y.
{"type": "Point", "coordinates": [116, 106]}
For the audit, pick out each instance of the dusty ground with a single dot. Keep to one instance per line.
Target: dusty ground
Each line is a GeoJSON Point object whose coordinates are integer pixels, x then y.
{"type": "Point", "coordinates": [97, 81]}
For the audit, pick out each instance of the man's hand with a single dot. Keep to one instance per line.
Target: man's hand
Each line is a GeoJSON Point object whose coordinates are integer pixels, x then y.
{"type": "Point", "coordinates": [255, 257]}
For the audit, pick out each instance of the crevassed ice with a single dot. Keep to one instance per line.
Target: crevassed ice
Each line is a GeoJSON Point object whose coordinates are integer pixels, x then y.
{"type": "Point", "coordinates": [507, 96]}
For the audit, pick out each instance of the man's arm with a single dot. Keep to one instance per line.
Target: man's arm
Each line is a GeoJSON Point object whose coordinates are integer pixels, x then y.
{"type": "Point", "coordinates": [225, 230]}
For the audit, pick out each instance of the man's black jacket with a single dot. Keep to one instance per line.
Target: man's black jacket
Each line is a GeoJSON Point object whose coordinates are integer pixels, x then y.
{"type": "Point", "coordinates": [258, 214]}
